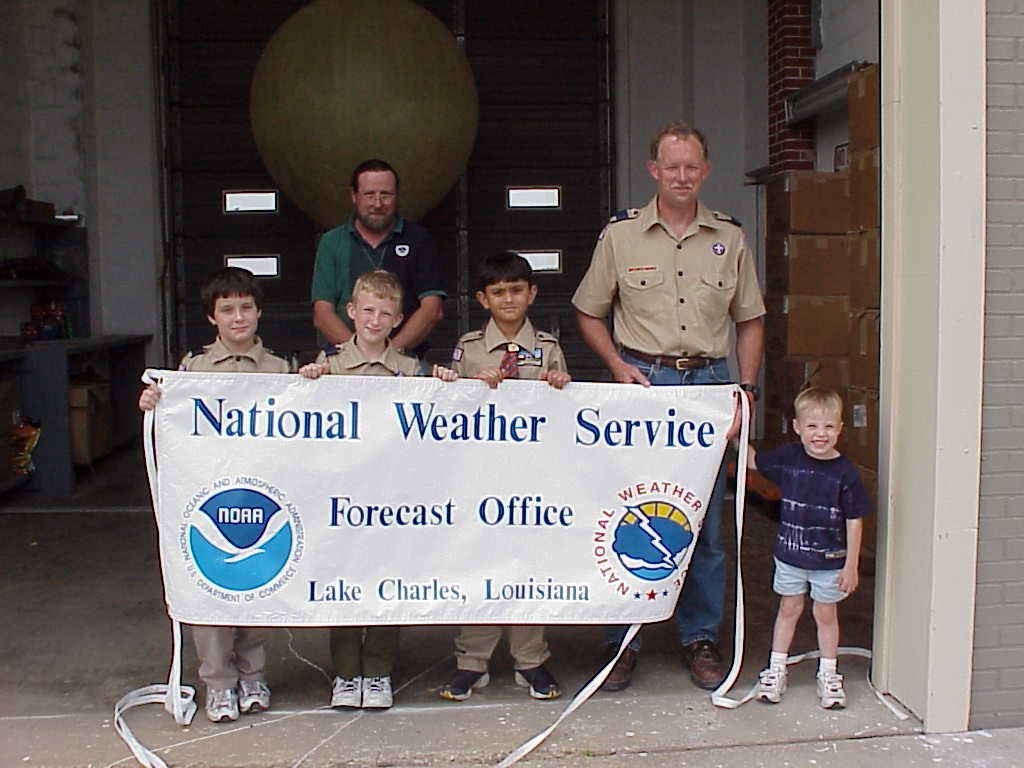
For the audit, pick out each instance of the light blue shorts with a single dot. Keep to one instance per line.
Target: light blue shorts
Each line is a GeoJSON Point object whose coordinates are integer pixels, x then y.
{"type": "Point", "coordinates": [823, 585]}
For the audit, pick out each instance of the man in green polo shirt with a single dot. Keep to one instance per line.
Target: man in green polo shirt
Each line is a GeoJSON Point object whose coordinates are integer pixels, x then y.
{"type": "Point", "coordinates": [377, 237]}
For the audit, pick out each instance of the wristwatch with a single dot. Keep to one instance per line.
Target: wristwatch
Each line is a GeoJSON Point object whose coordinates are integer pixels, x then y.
{"type": "Point", "coordinates": [752, 389]}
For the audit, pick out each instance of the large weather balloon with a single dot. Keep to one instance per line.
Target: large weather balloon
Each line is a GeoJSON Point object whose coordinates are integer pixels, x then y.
{"type": "Point", "coordinates": [346, 80]}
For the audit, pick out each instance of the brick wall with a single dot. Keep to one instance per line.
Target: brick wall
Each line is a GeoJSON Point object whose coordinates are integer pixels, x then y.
{"type": "Point", "coordinates": [998, 683]}
{"type": "Point", "coordinates": [790, 67]}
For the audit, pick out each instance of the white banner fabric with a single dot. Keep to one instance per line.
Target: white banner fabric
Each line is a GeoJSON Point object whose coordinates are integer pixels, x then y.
{"type": "Point", "coordinates": [368, 500]}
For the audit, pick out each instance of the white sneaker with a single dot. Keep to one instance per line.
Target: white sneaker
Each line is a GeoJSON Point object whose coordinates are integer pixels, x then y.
{"type": "Point", "coordinates": [377, 692]}
{"type": "Point", "coordinates": [253, 696]}
{"type": "Point", "coordinates": [221, 705]}
{"type": "Point", "coordinates": [347, 692]}
{"type": "Point", "coordinates": [771, 684]}
{"type": "Point", "coordinates": [830, 691]}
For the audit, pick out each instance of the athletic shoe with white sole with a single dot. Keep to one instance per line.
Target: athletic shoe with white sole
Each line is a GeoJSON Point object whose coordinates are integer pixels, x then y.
{"type": "Point", "coordinates": [377, 692]}
{"type": "Point", "coordinates": [347, 692]}
{"type": "Point", "coordinates": [221, 705]}
{"type": "Point", "coordinates": [253, 696]}
{"type": "Point", "coordinates": [541, 683]}
{"type": "Point", "coordinates": [771, 684]}
{"type": "Point", "coordinates": [463, 683]}
{"type": "Point", "coordinates": [830, 691]}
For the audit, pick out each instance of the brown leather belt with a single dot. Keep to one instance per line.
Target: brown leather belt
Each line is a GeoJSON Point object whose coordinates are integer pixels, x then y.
{"type": "Point", "coordinates": [671, 361]}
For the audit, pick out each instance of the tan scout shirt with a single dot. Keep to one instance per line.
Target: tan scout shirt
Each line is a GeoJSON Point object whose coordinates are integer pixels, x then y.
{"type": "Point", "coordinates": [218, 358]}
{"type": "Point", "coordinates": [349, 360]}
{"type": "Point", "coordinates": [539, 352]}
{"type": "Point", "coordinates": [672, 296]}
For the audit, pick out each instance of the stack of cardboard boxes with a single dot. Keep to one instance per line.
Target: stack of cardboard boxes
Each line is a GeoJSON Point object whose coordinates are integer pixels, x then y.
{"type": "Point", "coordinates": [823, 281]}
{"type": "Point", "coordinates": [862, 396]}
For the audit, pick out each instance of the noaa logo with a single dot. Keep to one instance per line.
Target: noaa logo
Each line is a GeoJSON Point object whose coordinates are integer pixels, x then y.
{"type": "Point", "coordinates": [643, 547]}
{"type": "Point", "coordinates": [241, 539]}
{"type": "Point", "coordinates": [651, 538]}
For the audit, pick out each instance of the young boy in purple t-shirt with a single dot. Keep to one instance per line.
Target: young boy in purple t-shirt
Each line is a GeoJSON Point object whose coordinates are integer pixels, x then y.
{"type": "Point", "coordinates": [818, 546]}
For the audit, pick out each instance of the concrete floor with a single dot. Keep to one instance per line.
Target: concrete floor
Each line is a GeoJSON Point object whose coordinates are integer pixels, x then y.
{"type": "Point", "coordinates": [81, 590]}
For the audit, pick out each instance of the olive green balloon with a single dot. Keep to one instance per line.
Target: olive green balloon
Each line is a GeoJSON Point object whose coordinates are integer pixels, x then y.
{"type": "Point", "coordinates": [342, 81]}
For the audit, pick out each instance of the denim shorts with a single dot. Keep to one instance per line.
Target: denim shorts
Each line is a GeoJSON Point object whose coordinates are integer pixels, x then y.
{"type": "Point", "coordinates": [824, 585]}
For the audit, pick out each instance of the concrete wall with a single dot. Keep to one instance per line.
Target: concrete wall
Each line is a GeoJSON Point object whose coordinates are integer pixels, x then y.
{"type": "Point", "coordinates": [670, 63]}
{"type": "Point", "coordinates": [120, 137]}
{"type": "Point", "coordinates": [998, 684]}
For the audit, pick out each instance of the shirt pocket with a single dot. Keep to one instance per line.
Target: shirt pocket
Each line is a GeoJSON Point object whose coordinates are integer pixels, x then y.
{"type": "Point", "coordinates": [715, 292]}
{"type": "Point", "coordinates": [645, 280]}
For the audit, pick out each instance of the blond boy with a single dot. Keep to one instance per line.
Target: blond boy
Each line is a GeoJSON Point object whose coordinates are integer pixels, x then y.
{"type": "Point", "coordinates": [363, 657]}
{"type": "Point", "coordinates": [818, 545]}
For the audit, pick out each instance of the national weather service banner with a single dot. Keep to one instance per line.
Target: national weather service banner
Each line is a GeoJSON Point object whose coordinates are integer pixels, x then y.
{"type": "Point", "coordinates": [378, 500]}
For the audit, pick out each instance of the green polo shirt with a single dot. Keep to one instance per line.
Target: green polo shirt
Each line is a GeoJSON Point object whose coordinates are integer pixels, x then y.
{"type": "Point", "coordinates": [342, 255]}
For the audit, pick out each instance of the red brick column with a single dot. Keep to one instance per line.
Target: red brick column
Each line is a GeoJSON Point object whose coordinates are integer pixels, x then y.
{"type": "Point", "coordinates": [790, 67]}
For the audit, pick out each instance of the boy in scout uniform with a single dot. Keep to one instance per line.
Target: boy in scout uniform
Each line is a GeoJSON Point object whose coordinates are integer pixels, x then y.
{"type": "Point", "coordinates": [231, 659]}
{"type": "Point", "coordinates": [363, 657]}
{"type": "Point", "coordinates": [677, 276]}
{"type": "Point", "coordinates": [508, 346]}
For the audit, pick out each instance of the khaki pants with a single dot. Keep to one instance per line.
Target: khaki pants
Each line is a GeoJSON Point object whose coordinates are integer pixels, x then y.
{"type": "Point", "coordinates": [474, 646]}
{"type": "Point", "coordinates": [227, 654]}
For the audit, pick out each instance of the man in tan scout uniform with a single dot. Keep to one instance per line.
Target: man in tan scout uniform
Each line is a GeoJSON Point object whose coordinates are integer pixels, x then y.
{"type": "Point", "coordinates": [677, 275]}
{"type": "Point", "coordinates": [231, 659]}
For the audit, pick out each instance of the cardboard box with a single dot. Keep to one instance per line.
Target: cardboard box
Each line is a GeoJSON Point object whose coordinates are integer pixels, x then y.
{"type": "Point", "coordinates": [861, 426]}
{"type": "Point", "coordinates": [92, 421]}
{"type": "Point", "coordinates": [817, 326]}
{"type": "Point", "coordinates": [9, 414]}
{"type": "Point", "coordinates": [808, 202]}
{"type": "Point", "coordinates": [864, 181]}
{"type": "Point", "coordinates": [863, 104]}
{"type": "Point", "coordinates": [785, 377]}
{"type": "Point", "coordinates": [865, 340]}
{"type": "Point", "coordinates": [865, 270]}
{"type": "Point", "coordinates": [813, 265]}
{"type": "Point", "coordinates": [869, 540]}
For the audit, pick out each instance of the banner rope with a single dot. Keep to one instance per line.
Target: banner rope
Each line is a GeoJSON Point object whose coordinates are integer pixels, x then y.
{"type": "Point", "coordinates": [178, 699]}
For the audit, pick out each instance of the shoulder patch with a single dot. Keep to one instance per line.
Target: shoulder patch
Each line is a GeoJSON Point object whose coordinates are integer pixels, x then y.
{"type": "Point", "coordinates": [624, 215]}
{"type": "Point", "coordinates": [726, 217]}
{"type": "Point", "coordinates": [330, 349]}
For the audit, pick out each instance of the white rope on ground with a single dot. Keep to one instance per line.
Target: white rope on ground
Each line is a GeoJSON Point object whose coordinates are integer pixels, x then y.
{"type": "Point", "coordinates": [177, 699]}
{"type": "Point", "coordinates": [578, 701]}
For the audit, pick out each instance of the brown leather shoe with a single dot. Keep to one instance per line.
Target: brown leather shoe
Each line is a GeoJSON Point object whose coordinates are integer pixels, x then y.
{"type": "Point", "coordinates": [622, 673]}
{"type": "Point", "coordinates": [704, 661]}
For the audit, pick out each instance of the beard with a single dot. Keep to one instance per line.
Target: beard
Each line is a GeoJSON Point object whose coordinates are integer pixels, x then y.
{"type": "Point", "coordinates": [377, 222]}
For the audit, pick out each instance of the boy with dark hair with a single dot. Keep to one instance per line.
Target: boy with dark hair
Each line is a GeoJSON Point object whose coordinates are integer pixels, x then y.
{"type": "Point", "coordinates": [231, 659]}
{"type": "Point", "coordinates": [506, 347]}
{"type": "Point", "coordinates": [818, 545]}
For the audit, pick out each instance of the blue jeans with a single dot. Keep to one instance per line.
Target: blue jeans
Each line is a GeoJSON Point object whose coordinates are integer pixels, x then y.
{"type": "Point", "coordinates": [701, 606]}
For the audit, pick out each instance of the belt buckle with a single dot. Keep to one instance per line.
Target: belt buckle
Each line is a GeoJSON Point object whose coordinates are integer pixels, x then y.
{"type": "Point", "coordinates": [683, 363]}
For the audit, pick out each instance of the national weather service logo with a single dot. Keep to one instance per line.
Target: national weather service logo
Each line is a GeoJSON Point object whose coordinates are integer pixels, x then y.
{"type": "Point", "coordinates": [244, 537]}
{"type": "Point", "coordinates": [647, 539]}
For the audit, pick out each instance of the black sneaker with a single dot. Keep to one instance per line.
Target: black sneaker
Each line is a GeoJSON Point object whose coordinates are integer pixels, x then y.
{"type": "Point", "coordinates": [540, 682]}
{"type": "Point", "coordinates": [461, 686]}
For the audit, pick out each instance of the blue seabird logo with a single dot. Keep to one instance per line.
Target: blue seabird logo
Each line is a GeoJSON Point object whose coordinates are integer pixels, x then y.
{"type": "Point", "coordinates": [242, 540]}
